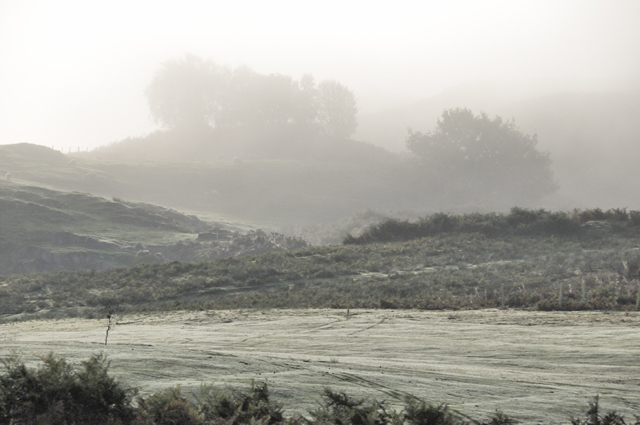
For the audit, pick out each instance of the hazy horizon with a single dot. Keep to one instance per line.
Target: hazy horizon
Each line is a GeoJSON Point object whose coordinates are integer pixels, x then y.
{"type": "Point", "coordinates": [73, 73]}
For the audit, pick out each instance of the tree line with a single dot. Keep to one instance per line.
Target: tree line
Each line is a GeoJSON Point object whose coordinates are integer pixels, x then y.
{"type": "Point", "coordinates": [466, 160]}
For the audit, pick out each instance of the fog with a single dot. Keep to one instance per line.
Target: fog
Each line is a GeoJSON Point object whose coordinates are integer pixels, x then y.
{"type": "Point", "coordinates": [78, 76]}
{"type": "Point", "coordinates": [73, 72]}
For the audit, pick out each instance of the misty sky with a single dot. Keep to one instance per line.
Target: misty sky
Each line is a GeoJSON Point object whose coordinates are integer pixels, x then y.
{"type": "Point", "coordinates": [72, 73]}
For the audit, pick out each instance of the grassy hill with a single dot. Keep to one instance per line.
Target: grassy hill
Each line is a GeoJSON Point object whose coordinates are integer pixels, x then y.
{"type": "Point", "coordinates": [44, 230]}
{"type": "Point", "coordinates": [595, 266]}
{"type": "Point", "coordinates": [261, 193]}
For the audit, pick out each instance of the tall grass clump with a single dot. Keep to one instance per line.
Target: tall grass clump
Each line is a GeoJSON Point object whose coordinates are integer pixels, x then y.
{"type": "Point", "coordinates": [419, 412]}
{"type": "Point", "coordinates": [339, 408]}
{"type": "Point", "coordinates": [595, 416]}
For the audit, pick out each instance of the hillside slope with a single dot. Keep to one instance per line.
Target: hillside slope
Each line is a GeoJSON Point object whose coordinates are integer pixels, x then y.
{"type": "Point", "coordinates": [269, 192]}
{"type": "Point", "coordinates": [45, 230]}
{"type": "Point", "coordinates": [595, 266]}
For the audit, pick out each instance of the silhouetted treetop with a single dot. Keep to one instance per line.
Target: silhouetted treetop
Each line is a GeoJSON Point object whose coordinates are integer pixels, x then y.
{"type": "Point", "coordinates": [186, 92]}
{"type": "Point", "coordinates": [475, 157]}
{"type": "Point", "coordinates": [337, 110]}
{"type": "Point", "coordinates": [193, 92]}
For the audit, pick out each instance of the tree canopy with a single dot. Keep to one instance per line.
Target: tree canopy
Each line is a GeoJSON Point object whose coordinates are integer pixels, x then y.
{"type": "Point", "coordinates": [185, 92]}
{"type": "Point", "coordinates": [475, 158]}
{"type": "Point", "coordinates": [191, 92]}
{"type": "Point", "coordinates": [337, 109]}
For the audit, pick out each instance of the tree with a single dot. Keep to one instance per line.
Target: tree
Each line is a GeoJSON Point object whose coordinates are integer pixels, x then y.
{"type": "Point", "coordinates": [186, 92]}
{"type": "Point", "coordinates": [337, 110]}
{"type": "Point", "coordinates": [271, 113]}
{"type": "Point", "coordinates": [473, 158]}
{"type": "Point", "coordinates": [256, 100]}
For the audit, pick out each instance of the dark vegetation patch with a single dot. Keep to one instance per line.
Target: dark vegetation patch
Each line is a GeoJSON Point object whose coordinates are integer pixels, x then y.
{"type": "Point", "coordinates": [58, 393]}
{"type": "Point", "coordinates": [519, 221]}
{"type": "Point", "coordinates": [596, 266]}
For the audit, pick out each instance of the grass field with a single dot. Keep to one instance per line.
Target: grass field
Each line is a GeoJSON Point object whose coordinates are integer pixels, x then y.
{"type": "Point", "coordinates": [538, 367]}
{"type": "Point", "coordinates": [597, 270]}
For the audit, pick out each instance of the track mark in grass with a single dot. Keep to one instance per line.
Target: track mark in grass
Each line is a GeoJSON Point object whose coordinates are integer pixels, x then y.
{"type": "Point", "coordinates": [319, 326]}
{"type": "Point", "coordinates": [285, 365]}
{"type": "Point", "coordinates": [218, 354]}
{"type": "Point", "coordinates": [234, 344]}
{"type": "Point", "coordinates": [363, 382]}
{"type": "Point", "coordinates": [369, 327]}
{"type": "Point", "coordinates": [393, 393]}
{"type": "Point", "coordinates": [635, 406]}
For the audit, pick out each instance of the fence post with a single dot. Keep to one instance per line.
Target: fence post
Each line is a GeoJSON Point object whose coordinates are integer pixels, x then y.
{"type": "Point", "coordinates": [560, 296]}
{"type": "Point", "coordinates": [502, 295]}
{"type": "Point", "coordinates": [584, 291]}
{"type": "Point", "coordinates": [638, 299]}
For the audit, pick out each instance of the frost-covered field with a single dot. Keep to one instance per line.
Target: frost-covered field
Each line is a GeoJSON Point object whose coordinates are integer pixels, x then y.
{"type": "Point", "coordinates": [535, 366]}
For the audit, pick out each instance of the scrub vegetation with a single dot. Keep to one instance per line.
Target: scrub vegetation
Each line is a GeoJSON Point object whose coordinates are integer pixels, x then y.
{"type": "Point", "coordinates": [542, 260]}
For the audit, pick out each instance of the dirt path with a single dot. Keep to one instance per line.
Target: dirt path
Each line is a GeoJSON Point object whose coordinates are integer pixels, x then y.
{"type": "Point", "coordinates": [536, 367]}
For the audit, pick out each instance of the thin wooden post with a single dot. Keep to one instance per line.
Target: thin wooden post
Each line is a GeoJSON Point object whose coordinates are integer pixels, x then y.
{"type": "Point", "coordinates": [560, 295]}
{"type": "Point", "coordinates": [502, 295]}
{"type": "Point", "coordinates": [106, 336]}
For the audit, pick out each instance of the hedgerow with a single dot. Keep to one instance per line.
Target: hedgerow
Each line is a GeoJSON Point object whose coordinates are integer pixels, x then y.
{"type": "Point", "coordinates": [519, 221]}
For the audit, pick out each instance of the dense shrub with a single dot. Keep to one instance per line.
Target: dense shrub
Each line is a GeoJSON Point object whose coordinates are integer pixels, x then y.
{"type": "Point", "coordinates": [340, 409]}
{"type": "Point", "coordinates": [56, 394]}
{"type": "Point", "coordinates": [234, 408]}
{"type": "Point", "coordinates": [167, 407]}
{"type": "Point", "coordinates": [519, 221]}
{"type": "Point", "coordinates": [419, 412]}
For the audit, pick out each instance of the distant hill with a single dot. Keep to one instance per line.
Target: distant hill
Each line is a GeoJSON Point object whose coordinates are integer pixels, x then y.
{"type": "Point", "coordinates": [264, 192]}
{"type": "Point", "coordinates": [213, 144]}
{"type": "Point", "coordinates": [48, 230]}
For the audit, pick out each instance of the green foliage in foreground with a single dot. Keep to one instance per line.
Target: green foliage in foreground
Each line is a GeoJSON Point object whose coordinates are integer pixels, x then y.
{"type": "Point", "coordinates": [55, 393]}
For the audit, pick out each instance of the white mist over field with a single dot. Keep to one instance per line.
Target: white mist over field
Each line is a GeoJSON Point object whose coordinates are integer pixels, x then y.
{"type": "Point", "coordinates": [73, 73]}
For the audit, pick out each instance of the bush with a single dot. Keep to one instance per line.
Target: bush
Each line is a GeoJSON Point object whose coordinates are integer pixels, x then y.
{"type": "Point", "coordinates": [55, 394]}
{"type": "Point", "coordinates": [519, 221]}
{"type": "Point", "coordinates": [340, 409]}
{"type": "Point", "coordinates": [234, 408]}
{"type": "Point", "coordinates": [420, 413]}
{"type": "Point", "coordinates": [168, 407]}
